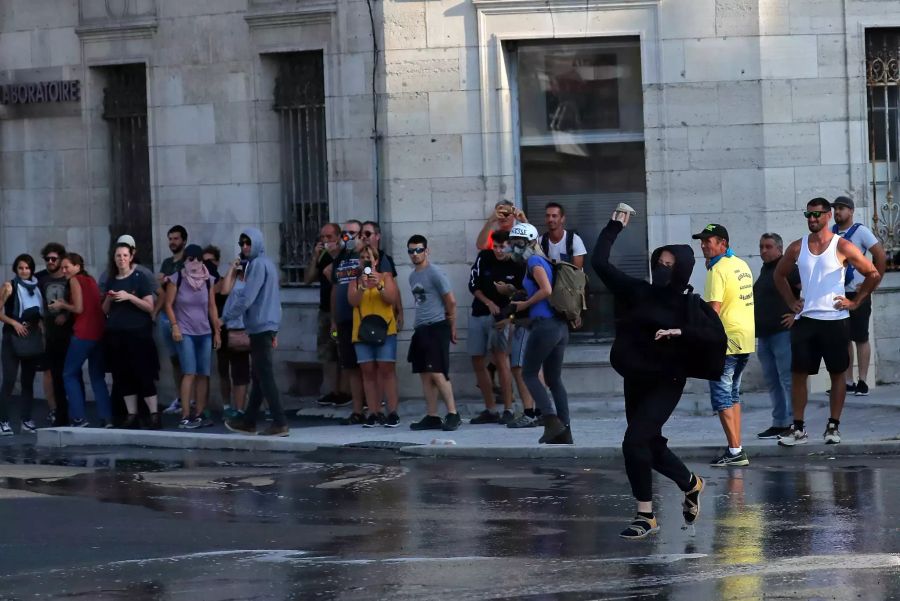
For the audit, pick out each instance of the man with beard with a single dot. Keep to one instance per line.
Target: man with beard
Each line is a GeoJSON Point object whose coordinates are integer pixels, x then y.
{"type": "Point", "coordinates": [822, 326]}
{"type": "Point", "coordinates": [178, 238]}
{"type": "Point", "coordinates": [57, 332]}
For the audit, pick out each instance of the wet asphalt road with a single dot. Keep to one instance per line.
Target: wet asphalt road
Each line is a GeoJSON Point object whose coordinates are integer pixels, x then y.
{"type": "Point", "coordinates": [154, 525]}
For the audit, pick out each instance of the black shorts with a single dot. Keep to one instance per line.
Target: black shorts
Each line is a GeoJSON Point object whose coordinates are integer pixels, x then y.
{"type": "Point", "coordinates": [815, 339]}
{"type": "Point", "coordinates": [346, 352]}
{"type": "Point", "coordinates": [429, 349]}
{"type": "Point", "coordinates": [859, 319]}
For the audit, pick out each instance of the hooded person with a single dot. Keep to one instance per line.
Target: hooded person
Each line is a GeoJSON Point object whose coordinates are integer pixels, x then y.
{"type": "Point", "coordinates": [655, 335]}
{"type": "Point", "coordinates": [259, 303]}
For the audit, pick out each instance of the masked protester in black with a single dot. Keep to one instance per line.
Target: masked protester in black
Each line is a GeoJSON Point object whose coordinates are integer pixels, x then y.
{"type": "Point", "coordinates": [652, 337]}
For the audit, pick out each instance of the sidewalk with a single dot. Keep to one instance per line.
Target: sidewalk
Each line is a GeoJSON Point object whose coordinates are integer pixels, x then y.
{"type": "Point", "coordinates": [869, 425]}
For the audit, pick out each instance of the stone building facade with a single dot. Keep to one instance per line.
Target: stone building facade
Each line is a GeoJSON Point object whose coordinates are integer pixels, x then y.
{"type": "Point", "coordinates": [421, 114]}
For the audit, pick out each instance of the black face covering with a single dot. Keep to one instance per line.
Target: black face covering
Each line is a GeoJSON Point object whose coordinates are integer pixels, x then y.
{"type": "Point", "coordinates": [661, 275]}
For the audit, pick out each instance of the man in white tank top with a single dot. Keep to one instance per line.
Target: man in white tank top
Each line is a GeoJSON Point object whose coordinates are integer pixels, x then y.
{"type": "Point", "coordinates": [821, 329]}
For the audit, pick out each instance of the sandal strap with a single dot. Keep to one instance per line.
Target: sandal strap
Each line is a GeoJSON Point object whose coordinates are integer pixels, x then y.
{"type": "Point", "coordinates": [641, 525]}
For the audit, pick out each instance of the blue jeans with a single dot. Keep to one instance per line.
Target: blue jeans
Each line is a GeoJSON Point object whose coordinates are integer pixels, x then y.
{"type": "Point", "coordinates": [726, 391]}
{"type": "Point", "coordinates": [195, 354]}
{"type": "Point", "coordinates": [92, 352]}
{"type": "Point", "coordinates": [774, 354]}
{"type": "Point", "coordinates": [545, 349]}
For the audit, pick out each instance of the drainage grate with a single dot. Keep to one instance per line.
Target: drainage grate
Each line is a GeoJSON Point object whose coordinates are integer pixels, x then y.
{"type": "Point", "coordinates": [394, 445]}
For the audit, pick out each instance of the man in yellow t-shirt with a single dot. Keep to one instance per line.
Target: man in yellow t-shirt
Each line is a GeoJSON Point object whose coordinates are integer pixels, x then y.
{"type": "Point", "coordinates": [729, 291]}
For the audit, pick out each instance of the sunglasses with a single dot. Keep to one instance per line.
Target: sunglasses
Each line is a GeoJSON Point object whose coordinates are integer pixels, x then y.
{"type": "Point", "coordinates": [51, 259]}
{"type": "Point", "coordinates": [415, 251]}
{"type": "Point", "coordinates": [189, 259]}
{"type": "Point", "coordinates": [367, 234]}
{"type": "Point", "coordinates": [815, 214]}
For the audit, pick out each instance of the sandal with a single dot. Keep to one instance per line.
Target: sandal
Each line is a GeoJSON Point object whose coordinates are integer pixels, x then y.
{"type": "Point", "coordinates": [640, 527]}
{"type": "Point", "coordinates": [690, 509]}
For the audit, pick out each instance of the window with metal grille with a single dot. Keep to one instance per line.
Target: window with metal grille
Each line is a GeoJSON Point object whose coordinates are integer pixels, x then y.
{"type": "Point", "coordinates": [125, 111]}
{"type": "Point", "coordinates": [300, 105]}
{"type": "Point", "coordinates": [883, 92]}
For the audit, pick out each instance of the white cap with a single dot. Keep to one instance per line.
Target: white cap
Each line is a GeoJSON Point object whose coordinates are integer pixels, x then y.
{"type": "Point", "coordinates": [126, 239]}
{"type": "Point", "coordinates": [524, 230]}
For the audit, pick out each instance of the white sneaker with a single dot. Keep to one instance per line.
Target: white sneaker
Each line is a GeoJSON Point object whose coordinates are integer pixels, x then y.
{"type": "Point", "coordinates": [29, 427]}
{"type": "Point", "coordinates": [793, 438]}
{"type": "Point", "coordinates": [175, 407]}
{"type": "Point", "coordinates": [832, 434]}
{"type": "Point", "coordinates": [5, 430]}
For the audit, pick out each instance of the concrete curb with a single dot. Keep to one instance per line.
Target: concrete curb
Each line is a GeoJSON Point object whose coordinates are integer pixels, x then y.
{"type": "Point", "coordinates": [80, 437]}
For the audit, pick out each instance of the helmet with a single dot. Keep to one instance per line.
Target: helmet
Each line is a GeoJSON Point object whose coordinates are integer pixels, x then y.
{"type": "Point", "coordinates": [524, 230]}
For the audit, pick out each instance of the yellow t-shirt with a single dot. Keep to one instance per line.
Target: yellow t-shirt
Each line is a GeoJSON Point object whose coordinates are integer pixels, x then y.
{"type": "Point", "coordinates": [730, 282]}
{"type": "Point", "coordinates": [373, 304]}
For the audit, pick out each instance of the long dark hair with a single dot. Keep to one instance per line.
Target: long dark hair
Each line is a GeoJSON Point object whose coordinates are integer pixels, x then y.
{"type": "Point", "coordinates": [76, 259]}
{"type": "Point", "coordinates": [27, 259]}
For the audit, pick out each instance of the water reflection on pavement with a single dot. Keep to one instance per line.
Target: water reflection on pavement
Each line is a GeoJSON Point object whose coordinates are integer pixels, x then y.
{"type": "Point", "coordinates": [148, 525]}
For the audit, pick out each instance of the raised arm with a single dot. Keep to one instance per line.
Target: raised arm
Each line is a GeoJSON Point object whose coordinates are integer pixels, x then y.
{"type": "Point", "coordinates": [618, 282]}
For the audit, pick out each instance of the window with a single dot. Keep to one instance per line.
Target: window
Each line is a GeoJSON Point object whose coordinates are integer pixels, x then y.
{"type": "Point", "coordinates": [882, 91]}
{"type": "Point", "coordinates": [125, 111]}
{"type": "Point", "coordinates": [581, 144]}
{"type": "Point", "coordinates": [300, 105]}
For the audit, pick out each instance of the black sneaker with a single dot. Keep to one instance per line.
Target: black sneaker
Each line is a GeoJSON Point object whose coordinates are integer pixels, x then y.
{"type": "Point", "coordinates": [326, 401]}
{"type": "Point", "coordinates": [486, 417]}
{"type": "Point", "coordinates": [451, 422]}
{"type": "Point", "coordinates": [374, 420]}
{"type": "Point", "coordinates": [729, 460]}
{"type": "Point", "coordinates": [851, 388]}
{"type": "Point", "coordinates": [861, 389]}
{"type": "Point", "coordinates": [429, 422]}
{"type": "Point", "coordinates": [79, 423]}
{"type": "Point", "coordinates": [239, 426]}
{"type": "Point", "coordinates": [507, 418]}
{"type": "Point", "coordinates": [342, 399]}
{"type": "Point", "coordinates": [773, 432]}
{"type": "Point", "coordinates": [392, 421]}
{"type": "Point", "coordinates": [355, 419]}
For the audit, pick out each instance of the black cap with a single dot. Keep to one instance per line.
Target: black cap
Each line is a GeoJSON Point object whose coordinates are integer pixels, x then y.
{"type": "Point", "coordinates": [713, 229]}
{"type": "Point", "coordinates": [843, 201]}
{"type": "Point", "coordinates": [193, 250]}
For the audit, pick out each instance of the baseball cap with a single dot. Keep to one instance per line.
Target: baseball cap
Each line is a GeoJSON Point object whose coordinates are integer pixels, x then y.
{"type": "Point", "coordinates": [524, 230]}
{"type": "Point", "coordinates": [843, 201]}
{"type": "Point", "coordinates": [713, 229]}
{"type": "Point", "coordinates": [126, 239]}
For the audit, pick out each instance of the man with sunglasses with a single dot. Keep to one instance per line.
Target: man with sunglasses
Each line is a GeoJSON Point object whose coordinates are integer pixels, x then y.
{"type": "Point", "coordinates": [345, 270]}
{"type": "Point", "coordinates": [57, 332]}
{"type": "Point", "coordinates": [821, 329]}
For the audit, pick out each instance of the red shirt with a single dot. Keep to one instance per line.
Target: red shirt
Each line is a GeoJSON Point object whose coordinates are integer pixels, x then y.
{"type": "Point", "coordinates": [89, 325]}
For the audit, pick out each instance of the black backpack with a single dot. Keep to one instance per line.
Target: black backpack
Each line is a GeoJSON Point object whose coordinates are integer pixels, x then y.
{"type": "Point", "coordinates": [570, 244]}
{"type": "Point", "coordinates": [706, 359]}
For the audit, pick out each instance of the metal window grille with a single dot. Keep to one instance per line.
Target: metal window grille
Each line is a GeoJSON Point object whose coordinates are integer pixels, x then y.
{"type": "Point", "coordinates": [300, 104]}
{"type": "Point", "coordinates": [125, 110]}
{"type": "Point", "coordinates": [883, 89]}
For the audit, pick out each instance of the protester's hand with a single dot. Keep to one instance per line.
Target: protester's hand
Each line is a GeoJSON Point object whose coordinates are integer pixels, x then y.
{"type": "Point", "coordinates": [217, 340]}
{"type": "Point", "coordinates": [453, 333]}
{"type": "Point", "coordinates": [787, 320]}
{"type": "Point", "coordinates": [520, 216]}
{"type": "Point", "coordinates": [492, 307]}
{"type": "Point", "coordinates": [797, 306]}
{"type": "Point", "coordinates": [21, 329]}
{"type": "Point", "coordinates": [504, 288]}
{"type": "Point", "coordinates": [120, 296]}
{"type": "Point", "coordinates": [318, 248]}
{"type": "Point", "coordinates": [667, 334]}
{"type": "Point", "coordinates": [399, 321]}
{"type": "Point", "coordinates": [176, 333]}
{"type": "Point", "coordinates": [160, 278]}
{"type": "Point", "coordinates": [60, 320]}
{"type": "Point", "coordinates": [842, 302]}
{"type": "Point", "coordinates": [622, 217]}
{"type": "Point", "coordinates": [275, 342]}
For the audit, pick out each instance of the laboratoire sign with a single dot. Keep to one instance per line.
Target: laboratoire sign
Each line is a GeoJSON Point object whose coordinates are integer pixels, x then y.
{"type": "Point", "coordinates": [41, 91]}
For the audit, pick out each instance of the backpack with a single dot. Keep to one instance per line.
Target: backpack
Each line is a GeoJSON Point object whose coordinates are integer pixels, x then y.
{"type": "Point", "coordinates": [570, 243]}
{"type": "Point", "coordinates": [705, 361]}
{"type": "Point", "coordinates": [851, 270]}
{"type": "Point", "coordinates": [568, 295]}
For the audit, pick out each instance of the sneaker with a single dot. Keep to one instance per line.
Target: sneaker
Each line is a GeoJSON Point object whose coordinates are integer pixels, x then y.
{"type": "Point", "coordinates": [773, 432]}
{"type": "Point", "coordinates": [342, 399]}
{"type": "Point", "coordinates": [486, 417]}
{"type": "Point", "coordinates": [276, 430]}
{"type": "Point", "coordinates": [326, 401]}
{"type": "Point", "coordinates": [206, 422]}
{"type": "Point", "coordinates": [861, 389]}
{"type": "Point", "coordinates": [5, 430]}
{"type": "Point", "coordinates": [429, 422]}
{"type": "Point", "coordinates": [392, 421]}
{"type": "Point", "coordinates": [690, 508]}
{"type": "Point", "coordinates": [507, 418]}
{"type": "Point", "coordinates": [238, 426]}
{"type": "Point", "coordinates": [832, 434]}
{"type": "Point", "coordinates": [79, 423]}
{"type": "Point", "coordinates": [355, 419]}
{"type": "Point", "coordinates": [793, 438]}
{"type": "Point", "coordinates": [131, 422]}
{"type": "Point", "coordinates": [185, 421]}
{"type": "Point", "coordinates": [564, 438]}
{"type": "Point", "coordinates": [174, 407]}
{"type": "Point", "coordinates": [523, 421]}
{"type": "Point", "coordinates": [729, 460]}
{"type": "Point", "coordinates": [640, 527]}
{"type": "Point", "coordinates": [29, 427]}
{"type": "Point", "coordinates": [155, 422]}
{"type": "Point", "coordinates": [451, 422]}
{"type": "Point", "coordinates": [231, 413]}
{"type": "Point", "coordinates": [374, 420]}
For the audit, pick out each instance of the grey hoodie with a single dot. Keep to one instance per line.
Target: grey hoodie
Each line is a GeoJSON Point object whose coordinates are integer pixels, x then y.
{"type": "Point", "coordinates": [259, 301]}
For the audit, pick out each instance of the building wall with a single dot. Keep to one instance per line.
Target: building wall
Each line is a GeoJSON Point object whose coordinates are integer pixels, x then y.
{"type": "Point", "coordinates": [751, 107]}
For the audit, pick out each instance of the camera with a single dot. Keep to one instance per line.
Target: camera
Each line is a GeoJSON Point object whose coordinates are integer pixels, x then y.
{"type": "Point", "coordinates": [367, 268]}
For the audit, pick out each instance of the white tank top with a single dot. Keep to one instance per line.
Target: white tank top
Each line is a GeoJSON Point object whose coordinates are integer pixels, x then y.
{"type": "Point", "coordinates": [822, 278]}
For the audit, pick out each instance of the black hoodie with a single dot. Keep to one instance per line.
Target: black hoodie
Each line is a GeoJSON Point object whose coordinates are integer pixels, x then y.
{"type": "Point", "coordinates": [641, 309]}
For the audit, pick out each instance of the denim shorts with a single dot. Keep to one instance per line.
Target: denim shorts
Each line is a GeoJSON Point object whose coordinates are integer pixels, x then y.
{"type": "Point", "coordinates": [164, 328]}
{"type": "Point", "coordinates": [519, 340]}
{"type": "Point", "coordinates": [195, 354]}
{"type": "Point", "coordinates": [385, 353]}
{"type": "Point", "coordinates": [485, 338]}
{"type": "Point", "coordinates": [725, 392]}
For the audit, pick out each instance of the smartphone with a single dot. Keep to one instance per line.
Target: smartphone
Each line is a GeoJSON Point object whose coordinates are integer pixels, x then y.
{"type": "Point", "coordinates": [367, 267]}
